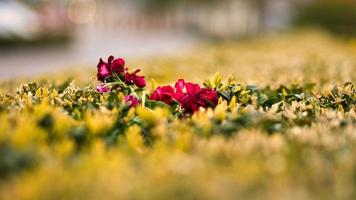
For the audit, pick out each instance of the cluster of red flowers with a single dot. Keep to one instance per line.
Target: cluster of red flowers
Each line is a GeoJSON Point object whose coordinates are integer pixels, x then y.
{"type": "Point", "coordinates": [114, 72]}
{"type": "Point", "coordinates": [188, 95]}
{"type": "Point", "coordinates": [107, 69]}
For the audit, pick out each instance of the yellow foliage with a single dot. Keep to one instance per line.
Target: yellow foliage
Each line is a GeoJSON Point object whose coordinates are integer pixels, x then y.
{"type": "Point", "coordinates": [47, 153]}
{"type": "Point", "coordinates": [134, 139]}
{"type": "Point", "coordinates": [98, 121]}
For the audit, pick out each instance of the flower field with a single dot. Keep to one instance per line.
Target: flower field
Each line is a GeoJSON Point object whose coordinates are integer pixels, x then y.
{"type": "Point", "coordinates": [266, 118]}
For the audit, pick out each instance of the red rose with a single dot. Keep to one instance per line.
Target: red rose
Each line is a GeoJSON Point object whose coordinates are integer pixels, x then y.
{"type": "Point", "coordinates": [164, 94]}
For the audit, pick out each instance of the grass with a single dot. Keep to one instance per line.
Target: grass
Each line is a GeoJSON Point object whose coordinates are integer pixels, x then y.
{"type": "Point", "coordinates": [293, 138]}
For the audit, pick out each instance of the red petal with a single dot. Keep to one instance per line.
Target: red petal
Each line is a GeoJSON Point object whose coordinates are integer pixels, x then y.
{"type": "Point", "coordinates": [192, 88]}
{"type": "Point", "coordinates": [180, 85]}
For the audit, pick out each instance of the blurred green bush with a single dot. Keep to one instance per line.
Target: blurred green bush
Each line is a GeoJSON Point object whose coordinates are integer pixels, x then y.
{"type": "Point", "coordinates": [337, 16]}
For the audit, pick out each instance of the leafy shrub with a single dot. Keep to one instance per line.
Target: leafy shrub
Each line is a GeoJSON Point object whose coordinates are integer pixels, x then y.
{"type": "Point", "coordinates": [266, 138]}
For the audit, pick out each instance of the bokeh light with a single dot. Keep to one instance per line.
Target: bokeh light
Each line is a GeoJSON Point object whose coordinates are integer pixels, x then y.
{"type": "Point", "coordinates": [81, 11]}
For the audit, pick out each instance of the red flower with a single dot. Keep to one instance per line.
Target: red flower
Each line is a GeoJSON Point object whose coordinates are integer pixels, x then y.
{"type": "Point", "coordinates": [189, 103]}
{"type": "Point", "coordinates": [132, 100]}
{"type": "Point", "coordinates": [105, 69]}
{"type": "Point", "coordinates": [118, 66]}
{"type": "Point", "coordinates": [189, 95]}
{"type": "Point", "coordinates": [179, 90]}
{"type": "Point", "coordinates": [134, 79]}
{"type": "Point", "coordinates": [192, 88]}
{"type": "Point", "coordinates": [180, 84]}
{"type": "Point", "coordinates": [164, 94]}
{"type": "Point", "coordinates": [207, 97]}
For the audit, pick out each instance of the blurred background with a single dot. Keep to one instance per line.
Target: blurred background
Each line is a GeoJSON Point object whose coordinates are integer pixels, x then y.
{"type": "Point", "coordinates": [39, 36]}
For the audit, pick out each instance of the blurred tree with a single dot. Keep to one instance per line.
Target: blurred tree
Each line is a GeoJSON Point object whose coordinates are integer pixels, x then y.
{"type": "Point", "coordinates": [261, 7]}
{"type": "Point", "coordinates": [163, 5]}
{"type": "Point", "coordinates": [337, 16]}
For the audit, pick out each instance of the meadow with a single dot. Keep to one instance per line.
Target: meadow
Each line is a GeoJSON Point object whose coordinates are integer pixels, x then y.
{"type": "Point", "coordinates": [284, 127]}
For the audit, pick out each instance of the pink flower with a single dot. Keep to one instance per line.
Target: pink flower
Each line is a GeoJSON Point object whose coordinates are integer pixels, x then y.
{"type": "Point", "coordinates": [164, 94]}
{"type": "Point", "coordinates": [132, 100]}
{"type": "Point", "coordinates": [134, 79]}
{"type": "Point", "coordinates": [102, 88]}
